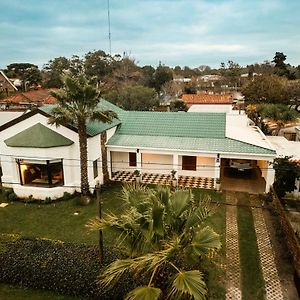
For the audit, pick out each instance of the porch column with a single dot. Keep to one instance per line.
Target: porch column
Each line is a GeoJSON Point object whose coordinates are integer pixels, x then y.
{"type": "Point", "coordinates": [176, 164]}
{"type": "Point", "coordinates": [217, 167]}
{"type": "Point", "coordinates": [139, 160]}
{"type": "Point", "coordinates": [109, 164]}
{"type": "Point", "coordinates": [270, 177]}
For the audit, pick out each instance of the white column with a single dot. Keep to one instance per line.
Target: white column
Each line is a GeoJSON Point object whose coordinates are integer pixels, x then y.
{"type": "Point", "coordinates": [270, 177]}
{"type": "Point", "coordinates": [176, 164]}
{"type": "Point", "coordinates": [109, 163]}
{"type": "Point", "coordinates": [139, 161]}
{"type": "Point", "coordinates": [217, 168]}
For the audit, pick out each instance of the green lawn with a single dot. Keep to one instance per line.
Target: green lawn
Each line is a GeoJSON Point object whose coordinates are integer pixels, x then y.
{"type": "Point", "coordinates": [251, 274]}
{"type": "Point", "coordinates": [10, 292]}
{"type": "Point", "coordinates": [57, 221]}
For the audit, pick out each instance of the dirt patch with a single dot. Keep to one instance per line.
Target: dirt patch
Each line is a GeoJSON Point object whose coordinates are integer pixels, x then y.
{"type": "Point", "coordinates": [282, 255]}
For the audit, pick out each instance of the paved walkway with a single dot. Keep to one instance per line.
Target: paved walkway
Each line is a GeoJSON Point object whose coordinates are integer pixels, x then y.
{"type": "Point", "coordinates": [267, 258]}
{"type": "Point", "coordinates": [152, 178]}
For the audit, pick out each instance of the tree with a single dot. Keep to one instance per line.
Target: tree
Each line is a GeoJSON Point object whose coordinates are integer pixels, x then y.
{"type": "Point", "coordinates": [28, 73]}
{"type": "Point", "coordinates": [266, 89]}
{"type": "Point", "coordinates": [286, 172]}
{"type": "Point", "coordinates": [134, 98]}
{"type": "Point", "coordinates": [161, 75]}
{"type": "Point", "coordinates": [178, 105]}
{"type": "Point", "coordinates": [280, 65]}
{"type": "Point", "coordinates": [164, 235]}
{"type": "Point", "coordinates": [279, 113]}
{"type": "Point", "coordinates": [54, 70]}
{"type": "Point", "coordinates": [77, 103]}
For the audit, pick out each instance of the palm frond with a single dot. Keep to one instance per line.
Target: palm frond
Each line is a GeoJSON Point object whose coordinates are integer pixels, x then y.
{"type": "Point", "coordinates": [188, 284]}
{"type": "Point", "coordinates": [144, 293]}
{"type": "Point", "coordinates": [197, 216]}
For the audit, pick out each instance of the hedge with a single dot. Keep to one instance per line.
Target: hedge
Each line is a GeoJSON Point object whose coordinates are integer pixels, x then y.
{"type": "Point", "coordinates": [61, 267]}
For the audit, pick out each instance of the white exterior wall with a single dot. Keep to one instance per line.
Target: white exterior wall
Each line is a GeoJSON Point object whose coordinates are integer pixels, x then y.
{"type": "Point", "coordinates": [120, 161]}
{"type": "Point", "coordinates": [220, 108]}
{"type": "Point", "coordinates": [205, 167]}
{"type": "Point", "coordinates": [157, 163]}
{"type": "Point", "coordinates": [69, 154]}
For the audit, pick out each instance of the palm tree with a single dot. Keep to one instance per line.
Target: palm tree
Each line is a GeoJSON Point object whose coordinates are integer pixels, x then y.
{"type": "Point", "coordinates": [280, 114]}
{"type": "Point", "coordinates": [77, 103]}
{"type": "Point", "coordinates": [161, 231]}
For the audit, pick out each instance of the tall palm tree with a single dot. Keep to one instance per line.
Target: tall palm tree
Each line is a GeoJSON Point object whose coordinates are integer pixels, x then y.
{"type": "Point", "coordinates": [77, 103]}
{"type": "Point", "coordinates": [162, 231]}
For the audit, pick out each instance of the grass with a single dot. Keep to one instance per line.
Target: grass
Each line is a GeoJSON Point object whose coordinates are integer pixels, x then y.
{"type": "Point", "coordinates": [11, 292]}
{"type": "Point", "coordinates": [216, 273]}
{"type": "Point", "coordinates": [57, 221]}
{"type": "Point", "coordinates": [251, 274]}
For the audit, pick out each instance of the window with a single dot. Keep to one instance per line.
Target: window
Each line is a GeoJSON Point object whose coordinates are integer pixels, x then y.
{"type": "Point", "coordinates": [189, 163]}
{"type": "Point", "coordinates": [95, 168]}
{"type": "Point", "coordinates": [132, 159]}
{"type": "Point", "coordinates": [47, 173]}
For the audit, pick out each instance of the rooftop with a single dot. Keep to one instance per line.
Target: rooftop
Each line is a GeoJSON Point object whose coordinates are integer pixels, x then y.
{"type": "Point", "coordinates": [191, 99]}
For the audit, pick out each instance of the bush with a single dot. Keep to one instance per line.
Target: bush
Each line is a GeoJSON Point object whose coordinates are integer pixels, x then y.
{"type": "Point", "coordinates": [12, 197]}
{"type": "Point", "coordinates": [61, 267]}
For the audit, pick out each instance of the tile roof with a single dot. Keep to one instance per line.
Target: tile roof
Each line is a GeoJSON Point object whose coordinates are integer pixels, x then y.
{"type": "Point", "coordinates": [209, 145]}
{"type": "Point", "coordinates": [38, 136]}
{"type": "Point", "coordinates": [177, 124]}
{"type": "Point", "coordinates": [39, 97]}
{"type": "Point", "coordinates": [94, 128]}
{"type": "Point", "coordinates": [203, 132]}
{"type": "Point", "coordinates": [191, 99]}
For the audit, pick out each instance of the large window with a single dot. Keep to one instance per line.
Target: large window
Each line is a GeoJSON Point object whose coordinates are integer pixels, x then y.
{"type": "Point", "coordinates": [189, 163]}
{"type": "Point", "coordinates": [46, 173]}
{"type": "Point", "coordinates": [132, 159]}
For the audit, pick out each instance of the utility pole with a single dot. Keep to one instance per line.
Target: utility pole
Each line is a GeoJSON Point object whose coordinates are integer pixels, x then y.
{"type": "Point", "coordinates": [99, 204]}
{"type": "Point", "coordinates": [109, 33]}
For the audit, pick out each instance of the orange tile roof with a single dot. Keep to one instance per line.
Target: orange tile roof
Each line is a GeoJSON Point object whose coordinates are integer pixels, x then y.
{"type": "Point", "coordinates": [40, 96]}
{"type": "Point", "coordinates": [191, 99]}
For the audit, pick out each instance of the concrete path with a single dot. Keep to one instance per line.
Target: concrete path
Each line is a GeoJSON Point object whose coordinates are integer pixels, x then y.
{"type": "Point", "coordinates": [270, 274]}
{"type": "Point", "coordinates": [233, 290]}
{"type": "Point", "coordinates": [267, 258]}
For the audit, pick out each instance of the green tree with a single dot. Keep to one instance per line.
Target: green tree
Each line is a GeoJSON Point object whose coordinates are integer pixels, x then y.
{"type": "Point", "coordinates": [134, 98]}
{"type": "Point", "coordinates": [161, 75]}
{"type": "Point", "coordinates": [280, 65]}
{"type": "Point", "coordinates": [28, 73]}
{"type": "Point", "coordinates": [286, 172]}
{"type": "Point", "coordinates": [266, 89]}
{"type": "Point", "coordinates": [163, 233]}
{"type": "Point", "coordinates": [178, 105]}
{"type": "Point", "coordinates": [77, 103]}
{"type": "Point", "coordinates": [54, 70]}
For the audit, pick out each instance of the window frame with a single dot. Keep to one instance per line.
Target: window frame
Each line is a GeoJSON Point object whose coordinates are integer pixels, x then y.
{"type": "Point", "coordinates": [189, 163]}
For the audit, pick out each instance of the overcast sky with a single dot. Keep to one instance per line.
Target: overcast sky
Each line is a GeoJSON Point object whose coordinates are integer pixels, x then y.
{"type": "Point", "coordinates": [175, 32]}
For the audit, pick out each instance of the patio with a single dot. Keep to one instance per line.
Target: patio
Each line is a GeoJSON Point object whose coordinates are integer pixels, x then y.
{"type": "Point", "coordinates": [152, 178]}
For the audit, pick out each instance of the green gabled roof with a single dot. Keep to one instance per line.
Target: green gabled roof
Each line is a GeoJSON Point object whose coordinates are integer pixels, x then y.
{"type": "Point", "coordinates": [94, 128]}
{"type": "Point", "coordinates": [219, 145]}
{"type": "Point", "coordinates": [176, 124]}
{"type": "Point", "coordinates": [38, 136]}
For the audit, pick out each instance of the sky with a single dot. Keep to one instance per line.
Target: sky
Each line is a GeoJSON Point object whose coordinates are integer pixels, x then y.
{"type": "Point", "coordinates": [173, 32]}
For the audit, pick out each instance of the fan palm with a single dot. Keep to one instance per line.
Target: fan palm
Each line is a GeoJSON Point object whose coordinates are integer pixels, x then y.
{"type": "Point", "coordinates": [161, 230]}
{"type": "Point", "coordinates": [77, 103]}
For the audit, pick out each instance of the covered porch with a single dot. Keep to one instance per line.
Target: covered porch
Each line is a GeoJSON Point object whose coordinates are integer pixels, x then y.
{"type": "Point", "coordinates": [165, 179]}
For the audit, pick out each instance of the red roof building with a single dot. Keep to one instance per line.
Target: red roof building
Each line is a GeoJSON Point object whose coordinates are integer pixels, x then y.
{"type": "Point", "coordinates": [192, 99]}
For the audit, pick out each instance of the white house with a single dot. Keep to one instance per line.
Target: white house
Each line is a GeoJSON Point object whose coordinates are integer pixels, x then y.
{"type": "Point", "coordinates": [43, 160]}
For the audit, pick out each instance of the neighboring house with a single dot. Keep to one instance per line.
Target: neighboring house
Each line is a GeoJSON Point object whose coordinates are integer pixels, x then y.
{"type": "Point", "coordinates": [28, 99]}
{"type": "Point", "coordinates": [204, 102]}
{"type": "Point", "coordinates": [6, 86]}
{"type": "Point", "coordinates": [43, 160]}
{"type": "Point", "coordinates": [290, 130]}
{"type": "Point", "coordinates": [287, 148]}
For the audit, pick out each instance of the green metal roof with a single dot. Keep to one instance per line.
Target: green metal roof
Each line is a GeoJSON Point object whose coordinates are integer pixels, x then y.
{"type": "Point", "coordinates": [176, 124]}
{"type": "Point", "coordinates": [38, 136]}
{"type": "Point", "coordinates": [94, 128]}
{"type": "Point", "coordinates": [217, 145]}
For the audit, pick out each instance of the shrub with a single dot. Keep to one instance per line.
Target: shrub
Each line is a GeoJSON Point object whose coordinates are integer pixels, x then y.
{"type": "Point", "coordinates": [61, 267]}
{"type": "Point", "coordinates": [67, 196]}
{"type": "Point", "coordinates": [12, 197]}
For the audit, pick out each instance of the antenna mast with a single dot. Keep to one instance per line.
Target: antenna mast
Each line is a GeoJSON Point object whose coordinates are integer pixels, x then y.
{"type": "Point", "coordinates": [109, 34]}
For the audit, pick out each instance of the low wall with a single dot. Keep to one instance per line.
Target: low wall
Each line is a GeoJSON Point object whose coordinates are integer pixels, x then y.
{"type": "Point", "coordinates": [288, 231]}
